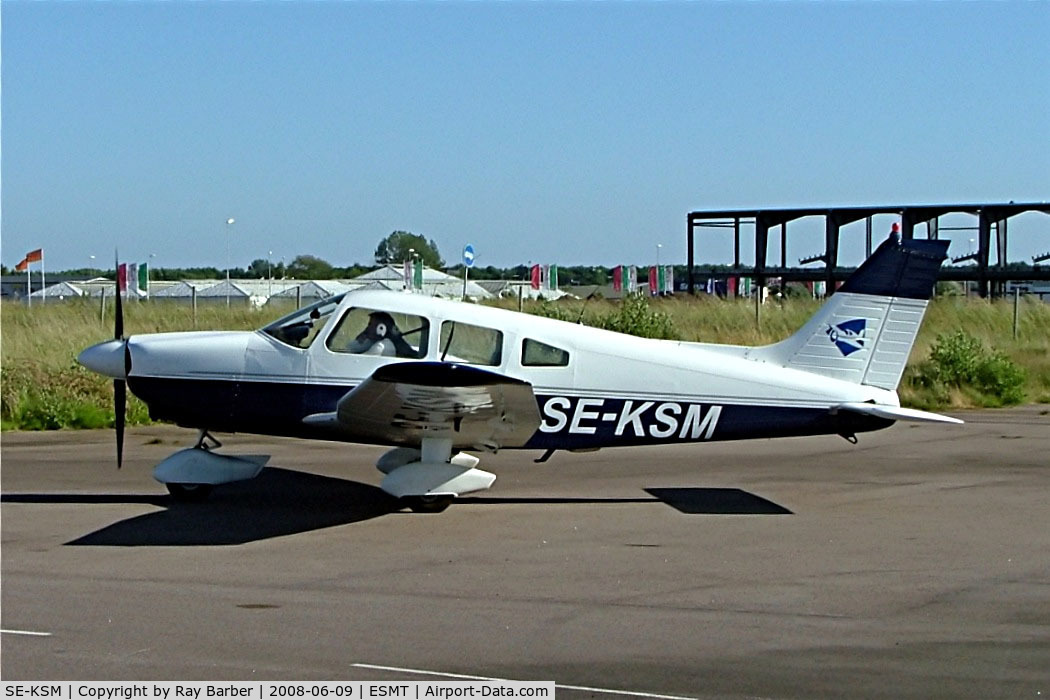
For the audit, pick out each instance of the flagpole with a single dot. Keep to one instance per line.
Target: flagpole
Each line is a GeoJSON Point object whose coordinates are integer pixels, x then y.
{"type": "Point", "coordinates": [29, 285]}
{"type": "Point", "coordinates": [43, 280]}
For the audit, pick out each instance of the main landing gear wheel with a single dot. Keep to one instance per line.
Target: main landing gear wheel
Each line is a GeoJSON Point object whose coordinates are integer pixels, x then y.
{"type": "Point", "coordinates": [189, 493]}
{"type": "Point", "coordinates": [427, 504]}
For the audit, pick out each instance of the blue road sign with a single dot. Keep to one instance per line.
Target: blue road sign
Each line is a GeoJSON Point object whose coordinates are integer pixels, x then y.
{"type": "Point", "coordinates": [468, 255]}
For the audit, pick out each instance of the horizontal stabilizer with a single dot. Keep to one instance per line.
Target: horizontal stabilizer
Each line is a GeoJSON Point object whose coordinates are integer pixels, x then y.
{"type": "Point", "coordinates": [895, 413]}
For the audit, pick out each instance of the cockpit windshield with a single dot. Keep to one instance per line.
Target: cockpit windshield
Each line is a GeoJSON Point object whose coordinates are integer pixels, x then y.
{"type": "Point", "coordinates": [300, 327]}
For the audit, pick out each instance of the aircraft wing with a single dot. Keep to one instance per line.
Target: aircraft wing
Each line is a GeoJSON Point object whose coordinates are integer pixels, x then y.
{"type": "Point", "coordinates": [403, 401]}
{"type": "Point", "coordinates": [895, 413]}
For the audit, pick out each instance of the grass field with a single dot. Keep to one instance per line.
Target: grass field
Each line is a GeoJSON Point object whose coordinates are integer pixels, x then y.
{"type": "Point", "coordinates": [42, 386]}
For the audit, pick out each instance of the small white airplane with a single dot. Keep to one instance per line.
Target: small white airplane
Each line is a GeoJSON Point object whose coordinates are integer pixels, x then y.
{"type": "Point", "coordinates": [432, 378]}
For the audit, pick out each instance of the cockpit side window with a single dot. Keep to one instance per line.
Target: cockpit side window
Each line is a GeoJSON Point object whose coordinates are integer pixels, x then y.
{"type": "Point", "coordinates": [375, 332]}
{"type": "Point", "coordinates": [300, 327]}
{"type": "Point", "coordinates": [473, 345]}
{"type": "Point", "coordinates": [537, 354]}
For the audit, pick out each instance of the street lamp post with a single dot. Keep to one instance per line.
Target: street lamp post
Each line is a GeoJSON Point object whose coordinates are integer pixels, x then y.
{"type": "Point", "coordinates": [102, 307]}
{"type": "Point", "coordinates": [657, 280]}
{"type": "Point", "coordinates": [92, 268]}
{"type": "Point", "coordinates": [269, 275]}
{"type": "Point", "coordinates": [229, 223]}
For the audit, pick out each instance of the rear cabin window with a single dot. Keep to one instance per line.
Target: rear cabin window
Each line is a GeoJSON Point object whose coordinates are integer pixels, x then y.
{"type": "Point", "coordinates": [537, 354]}
{"type": "Point", "coordinates": [375, 332]}
{"type": "Point", "coordinates": [472, 345]}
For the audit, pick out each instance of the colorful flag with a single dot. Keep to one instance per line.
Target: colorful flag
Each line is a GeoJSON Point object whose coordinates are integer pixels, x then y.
{"type": "Point", "coordinates": [24, 265]}
{"type": "Point", "coordinates": [144, 278]}
{"type": "Point", "coordinates": [552, 277]}
{"type": "Point", "coordinates": [653, 282]}
{"type": "Point", "coordinates": [632, 279]}
{"type": "Point", "coordinates": [618, 278]}
{"type": "Point", "coordinates": [535, 275]}
{"type": "Point", "coordinates": [407, 274]}
{"type": "Point", "coordinates": [731, 286]}
{"type": "Point", "coordinates": [668, 281]}
{"type": "Point", "coordinates": [417, 273]}
{"type": "Point", "coordinates": [132, 278]}
{"type": "Point", "coordinates": [122, 277]}
{"type": "Point", "coordinates": [35, 255]}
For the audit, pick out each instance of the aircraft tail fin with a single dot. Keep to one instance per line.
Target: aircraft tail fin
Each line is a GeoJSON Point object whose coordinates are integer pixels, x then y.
{"type": "Point", "coordinates": [865, 332]}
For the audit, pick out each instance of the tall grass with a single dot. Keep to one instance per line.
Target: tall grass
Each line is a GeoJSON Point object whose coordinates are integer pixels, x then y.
{"type": "Point", "coordinates": [703, 319]}
{"type": "Point", "coordinates": [991, 323]}
{"type": "Point", "coordinates": [714, 320]}
{"type": "Point", "coordinates": [42, 386]}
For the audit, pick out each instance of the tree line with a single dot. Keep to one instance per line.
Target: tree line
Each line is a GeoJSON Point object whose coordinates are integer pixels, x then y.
{"type": "Point", "coordinates": [396, 248]}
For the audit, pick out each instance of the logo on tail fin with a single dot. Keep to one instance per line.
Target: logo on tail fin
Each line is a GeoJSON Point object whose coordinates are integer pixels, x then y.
{"type": "Point", "coordinates": [848, 336]}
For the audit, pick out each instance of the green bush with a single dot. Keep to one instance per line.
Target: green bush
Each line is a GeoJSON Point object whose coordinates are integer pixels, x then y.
{"type": "Point", "coordinates": [45, 412]}
{"type": "Point", "coordinates": [548, 309]}
{"type": "Point", "coordinates": [956, 358]}
{"type": "Point", "coordinates": [634, 316]}
{"type": "Point", "coordinates": [960, 361]}
{"type": "Point", "coordinates": [999, 376]}
{"type": "Point", "coordinates": [35, 398]}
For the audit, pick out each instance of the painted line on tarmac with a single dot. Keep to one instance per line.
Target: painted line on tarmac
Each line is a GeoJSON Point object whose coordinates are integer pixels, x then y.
{"type": "Point", "coordinates": [608, 691]}
{"type": "Point", "coordinates": [26, 633]}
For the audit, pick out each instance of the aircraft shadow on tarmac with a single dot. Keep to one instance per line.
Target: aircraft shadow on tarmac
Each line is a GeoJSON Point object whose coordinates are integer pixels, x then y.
{"type": "Point", "coordinates": [688, 500]}
{"type": "Point", "coordinates": [283, 502]}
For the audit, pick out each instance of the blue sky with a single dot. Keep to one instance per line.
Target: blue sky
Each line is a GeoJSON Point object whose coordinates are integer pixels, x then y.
{"type": "Point", "coordinates": [556, 132]}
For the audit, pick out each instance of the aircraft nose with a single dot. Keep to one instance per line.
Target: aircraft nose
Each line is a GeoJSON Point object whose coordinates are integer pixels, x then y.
{"type": "Point", "coordinates": [105, 358]}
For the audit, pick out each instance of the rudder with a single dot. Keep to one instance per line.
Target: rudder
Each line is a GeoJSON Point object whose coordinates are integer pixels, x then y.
{"type": "Point", "coordinates": [865, 332]}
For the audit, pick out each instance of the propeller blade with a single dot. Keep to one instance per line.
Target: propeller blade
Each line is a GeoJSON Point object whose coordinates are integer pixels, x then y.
{"type": "Point", "coordinates": [120, 386]}
{"type": "Point", "coordinates": [118, 323]}
{"type": "Point", "coordinates": [120, 400]}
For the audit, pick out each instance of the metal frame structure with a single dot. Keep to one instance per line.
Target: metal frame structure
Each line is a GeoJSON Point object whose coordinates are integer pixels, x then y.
{"type": "Point", "coordinates": [988, 216]}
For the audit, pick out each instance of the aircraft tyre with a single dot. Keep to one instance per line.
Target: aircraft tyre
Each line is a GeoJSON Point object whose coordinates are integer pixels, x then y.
{"type": "Point", "coordinates": [427, 504]}
{"type": "Point", "coordinates": [189, 493]}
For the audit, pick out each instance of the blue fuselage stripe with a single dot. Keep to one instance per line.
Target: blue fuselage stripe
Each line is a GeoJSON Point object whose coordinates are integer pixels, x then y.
{"type": "Point", "coordinates": [569, 422]}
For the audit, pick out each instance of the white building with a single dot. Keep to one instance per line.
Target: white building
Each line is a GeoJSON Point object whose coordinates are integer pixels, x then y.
{"type": "Point", "coordinates": [60, 291]}
{"type": "Point", "coordinates": [258, 292]}
{"type": "Point", "coordinates": [435, 282]}
{"type": "Point", "coordinates": [253, 292]}
{"type": "Point", "coordinates": [310, 291]}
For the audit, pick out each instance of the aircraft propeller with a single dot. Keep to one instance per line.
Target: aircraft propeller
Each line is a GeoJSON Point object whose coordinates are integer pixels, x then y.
{"type": "Point", "coordinates": [120, 386]}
